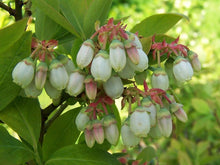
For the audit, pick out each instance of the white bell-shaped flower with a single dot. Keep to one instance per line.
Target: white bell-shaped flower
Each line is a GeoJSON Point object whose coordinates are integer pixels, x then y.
{"type": "Point", "coordinates": [160, 79]}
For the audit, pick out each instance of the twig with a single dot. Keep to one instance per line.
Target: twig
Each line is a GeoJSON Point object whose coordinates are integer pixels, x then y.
{"type": "Point", "coordinates": [7, 8]}
{"type": "Point", "coordinates": [18, 10]}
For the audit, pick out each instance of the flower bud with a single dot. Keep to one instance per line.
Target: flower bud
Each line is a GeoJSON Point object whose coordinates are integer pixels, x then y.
{"type": "Point", "coordinates": [67, 63]}
{"type": "Point", "coordinates": [113, 87]}
{"type": "Point", "coordinates": [177, 109]}
{"type": "Point", "coordinates": [164, 122]}
{"type": "Point", "coordinates": [136, 40]}
{"type": "Point", "coordinates": [41, 75]}
{"type": "Point", "coordinates": [32, 91]}
{"type": "Point", "coordinates": [52, 92]}
{"type": "Point", "coordinates": [76, 83]}
{"type": "Point", "coordinates": [82, 119]}
{"type": "Point", "coordinates": [155, 131]}
{"type": "Point", "coordinates": [91, 87]}
{"type": "Point", "coordinates": [182, 69]}
{"type": "Point", "coordinates": [128, 137]}
{"type": "Point", "coordinates": [58, 75]}
{"type": "Point", "coordinates": [111, 129]}
{"type": "Point", "coordinates": [128, 71]}
{"type": "Point", "coordinates": [117, 55]}
{"type": "Point", "coordinates": [140, 122]}
{"type": "Point", "coordinates": [194, 60]}
{"type": "Point", "coordinates": [85, 55]}
{"type": "Point", "coordinates": [98, 131]}
{"type": "Point", "coordinates": [160, 79]}
{"type": "Point", "coordinates": [132, 51]}
{"type": "Point", "coordinates": [23, 72]}
{"type": "Point", "coordinates": [89, 137]}
{"type": "Point", "coordinates": [150, 108]}
{"type": "Point", "coordinates": [143, 61]}
{"type": "Point", "coordinates": [101, 68]}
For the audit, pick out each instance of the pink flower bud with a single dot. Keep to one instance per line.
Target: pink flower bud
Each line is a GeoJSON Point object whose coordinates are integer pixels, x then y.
{"type": "Point", "coordinates": [177, 109]}
{"type": "Point", "coordinates": [128, 137]}
{"type": "Point", "coordinates": [111, 129]}
{"type": "Point", "coordinates": [23, 72]}
{"type": "Point", "coordinates": [113, 87]}
{"type": "Point", "coordinates": [117, 55]}
{"type": "Point", "coordinates": [143, 61]}
{"type": "Point", "coordinates": [140, 122]}
{"type": "Point", "coordinates": [52, 92]}
{"type": "Point", "coordinates": [91, 88]}
{"type": "Point", "coordinates": [194, 60]}
{"type": "Point", "coordinates": [151, 109]}
{"type": "Point", "coordinates": [98, 131]}
{"type": "Point", "coordinates": [160, 79]}
{"type": "Point", "coordinates": [132, 51]}
{"type": "Point", "coordinates": [76, 83]}
{"type": "Point", "coordinates": [135, 39]}
{"type": "Point", "coordinates": [82, 119]}
{"type": "Point", "coordinates": [128, 71]}
{"type": "Point", "coordinates": [41, 75]}
{"type": "Point", "coordinates": [58, 75]}
{"type": "Point", "coordinates": [32, 91]}
{"type": "Point", "coordinates": [85, 55]}
{"type": "Point", "coordinates": [101, 68]}
{"type": "Point", "coordinates": [164, 122]}
{"type": "Point", "coordinates": [182, 69]}
{"type": "Point", "coordinates": [89, 137]}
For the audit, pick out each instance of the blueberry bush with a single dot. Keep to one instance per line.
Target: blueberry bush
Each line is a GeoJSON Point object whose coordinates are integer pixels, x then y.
{"type": "Point", "coordinates": [107, 85]}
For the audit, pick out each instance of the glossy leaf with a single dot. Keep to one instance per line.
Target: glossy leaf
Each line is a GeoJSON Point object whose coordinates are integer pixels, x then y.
{"type": "Point", "coordinates": [84, 17]}
{"type": "Point", "coordinates": [81, 155]}
{"type": "Point", "coordinates": [157, 24]}
{"type": "Point", "coordinates": [24, 117]}
{"type": "Point", "coordinates": [52, 13]}
{"type": "Point", "coordinates": [61, 133]}
{"type": "Point", "coordinates": [8, 60]}
{"type": "Point", "coordinates": [9, 35]}
{"type": "Point", "coordinates": [12, 151]}
{"type": "Point", "coordinates": [147, 154]}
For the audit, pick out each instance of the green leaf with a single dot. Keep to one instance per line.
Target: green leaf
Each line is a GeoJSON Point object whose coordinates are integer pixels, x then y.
{"type": "Point", "coordinates": [183, 158]}
{"type": "Point", "coordinates": [200, 106]}
{"type": "Point", "coordinates": [97, 11]}
{"type": "Point", "coordinates": [202, 147]}
{"type": "Point", "coordinates": [24, 117]}
{"type": "Point", "coordinates": [84, 17]}
{"type": "Point", "coordinates": [146, 43]}
{"type": "Point", "coordinates": [61, 133]}
{"type": "Point", "coordinates": [12, 151]}
{"type": "Point", "coordinates": [52, 13]}
{"type": "Point", "coordinates": [8, 60]}
{"type": "Point", "coordinates": [147, 154]}
{"type": "Point", "coordinates": [9, 35]}
{"type": "Point", "coordinates": [81, 155]}
{"type": "Point", "coordinates": [157, 24]}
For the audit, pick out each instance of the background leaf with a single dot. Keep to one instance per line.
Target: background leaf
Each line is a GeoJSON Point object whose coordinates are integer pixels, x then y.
{"type": "Point", "coordinates": [147, 154]}
{"type": "Point", "coordinates": [157, 24]}
{"type": "Point", "coordinates": [81, 155]}
{"type": "Point", "coordinates": [9, 35]}
{"type": "Point", "coordinates": [200, 106]}
{"type": "Point", "coordinates": [61, 133]}
{"type": "Point", "coordinates": [12, 151]}
{"type": "Point", "coordinates": [24, 117]}
{"type": "Point", "coordinates": [8, 60]}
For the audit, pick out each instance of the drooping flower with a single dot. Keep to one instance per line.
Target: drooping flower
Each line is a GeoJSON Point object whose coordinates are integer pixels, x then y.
{"type": "Point", "coordinates": [140, 122]}
{"type": "Point", "coordinates": [31, 90]}
{"type": "Point", "coordinates": [89, 137]}
{"type": "Point", "coordinates": [117, 55]}
{"type": "Point", "coordinates": [128, 71]}
{"type": "Point", "coordinates": [76, 83]}
{"type": "Point", "coordinates": [160, 79]}
{"type": "Point", "coordinates": [177, 109]}
{"type": "Point", "coordinates": [85, 55]}
{"type": "Point", "coordinates": [194, 60]}
{"type": "Point", "coordinates": [132, 51]}
{"type": "Point", "coordinates": [91, 87]}
{"type": "Point", "coordinates": [82, 119]}
{"type": "Point", "coordinates": [143, 61]}
{"type": "Point", "coordinates": [67, 63]}
{"type": "Point", "coordinates": [52, 92]}
{"type": "Point", "coordinates": [101, 68]}
{"type": "Point", "coordinates": [164, 122]}
{"type": "Point", "coordinates": [58, 75]}
{"type": "Point", "coordinates": [113, 87]}
{"type": "Point", "coordinates": [182, 69]}
{"type": "Point", "coordinates": [98, 131]}
{"type": "Point", "coordinates": [23, 72]}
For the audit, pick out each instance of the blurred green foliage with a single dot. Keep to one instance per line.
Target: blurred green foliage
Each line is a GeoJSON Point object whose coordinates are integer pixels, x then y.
{"type": "Point", "coordinates": [196, 142]}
